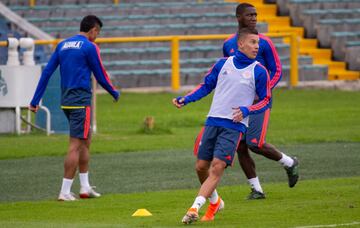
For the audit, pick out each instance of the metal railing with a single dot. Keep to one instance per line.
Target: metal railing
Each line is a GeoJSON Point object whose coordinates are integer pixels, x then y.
{"type": "Point", "coordinates": [32, 3]}
{"type": "Point", "coordinates": [175, 50]}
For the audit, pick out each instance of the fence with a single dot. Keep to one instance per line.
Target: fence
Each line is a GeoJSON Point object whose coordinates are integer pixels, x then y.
{"type": "Point", "coordinates": [175, 52]}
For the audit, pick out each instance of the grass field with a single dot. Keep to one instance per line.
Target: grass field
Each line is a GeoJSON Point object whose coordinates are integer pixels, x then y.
{"type": "Point", "coordinates": [298, 117]}
{"type": "Point", "coordinates": [320, 127]}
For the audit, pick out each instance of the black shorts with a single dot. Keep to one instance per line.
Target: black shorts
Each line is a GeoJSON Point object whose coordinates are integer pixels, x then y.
{"type": "Point", "coordinates": [217, 142]}
{"type": "Point", "coordinates": [256, 132]}
{"type": "Point", "coordinates": [79, 121]}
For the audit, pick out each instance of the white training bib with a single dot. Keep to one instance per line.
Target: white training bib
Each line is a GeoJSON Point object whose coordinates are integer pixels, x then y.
{"type": "Point", "coordinates": [234, 88]}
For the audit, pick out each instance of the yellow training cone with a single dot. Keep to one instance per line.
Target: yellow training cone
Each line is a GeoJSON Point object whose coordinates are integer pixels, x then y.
{"type": "Point", "coordinates": [142, 212]}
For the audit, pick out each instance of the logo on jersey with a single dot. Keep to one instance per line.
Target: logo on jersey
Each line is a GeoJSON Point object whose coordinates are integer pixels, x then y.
{"type": "Point", "coordinates": [247, 74]}
{"type": "Point", "coordinates": [226, 72]}
{"type": "Point", "coordinates": [72, 45]}
{"type": "Point", "coordinates": [254, 140]}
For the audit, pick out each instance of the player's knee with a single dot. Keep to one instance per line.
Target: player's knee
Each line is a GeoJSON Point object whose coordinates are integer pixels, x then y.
{"type": "Point", "coordinates": [217, 166]}
{"type": "Point", "coordinates": [201, 167]}
{"type": "Point", "coordinates": [255, 149]}
{"type": "Point", "coordinates": [242, 149]}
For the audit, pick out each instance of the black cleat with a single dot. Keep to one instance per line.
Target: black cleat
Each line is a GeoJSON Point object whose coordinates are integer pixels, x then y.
{"type": "Point", "coordinates": [293, 173]}
{"type": "Point", "coordinates": [254, 195]}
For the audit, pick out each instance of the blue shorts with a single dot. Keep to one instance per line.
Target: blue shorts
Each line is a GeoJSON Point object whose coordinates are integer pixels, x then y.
{"type": "Point", "coordinates": [79, 121]}
{"type": "Point", "coordinates": [217, 142]}
{"type": "Point", "coordinates": [256, 132]}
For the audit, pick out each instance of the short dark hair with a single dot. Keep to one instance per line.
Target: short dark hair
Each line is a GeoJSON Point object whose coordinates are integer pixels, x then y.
{"type": "Point", "coordinates": [246, 31]}
{"type": "Point", "coordinates": [89, 22]}
{"type": "Point", "coordinates": [240, 9]}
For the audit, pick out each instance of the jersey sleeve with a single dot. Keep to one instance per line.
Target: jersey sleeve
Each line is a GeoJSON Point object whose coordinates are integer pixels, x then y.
{"type": "Point", "coordinates": [208, 85]}
{"type": "Point", "coordinates": [227, 46]}
{"type": "Point", "coordinates": [263, 91]}
{"type": "Point", "coordinates": [273, 64]}
{"type": "Point", "coordinates": [99, 71]}
{"type": "Point", "coordinates": [225, 50]}
{"type": "Point", "coordinates": [45, 77]}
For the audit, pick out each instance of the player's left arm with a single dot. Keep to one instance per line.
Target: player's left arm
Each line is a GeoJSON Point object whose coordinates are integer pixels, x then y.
{"type": "Point", "coordinates": [273, 64]}
{"type": "Point", "coordinates": [93, 56]}
{"type": "Point", "coordinates": [263, 91]}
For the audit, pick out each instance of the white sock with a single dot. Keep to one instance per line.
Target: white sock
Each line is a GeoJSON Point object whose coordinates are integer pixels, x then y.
{"type": "Point", "coordinates": [84, 180]}
{"type": "Point", "coordinates": [214, 197]}
{"type": "Point", "coordinates": [255, 184]}
{"type": "Point", "coordinates": [199, 202]}
{"type": "Point", "coordinates": [286, 160]}
{"type": "Point", "coordinates": [66, 186]}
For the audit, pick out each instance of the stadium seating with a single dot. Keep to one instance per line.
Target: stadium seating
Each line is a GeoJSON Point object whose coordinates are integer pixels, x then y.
{"type": "Point", "coordinates": [332, 22]}
{"type": "Point", "coordinates": [311, 16]}
{"type": "Point", "coordinates": [352, 56]}
{"type": "Point", "coordinates": [296, 7]}
{"type": "Point", "coordinates": [328, 26]}
{"type": "Point", "coordinates": [130, 63]}
{"type": "Point", "coordinates": [339, 40]}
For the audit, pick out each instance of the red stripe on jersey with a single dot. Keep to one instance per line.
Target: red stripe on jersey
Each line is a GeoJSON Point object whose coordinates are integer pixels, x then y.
{"type": "Point", "coordinates": [277, 74]}
{"type": "Point", "coordinates": [196, 89]}
{"type": "Point", "coordinates": [266, 100]}
{"type": "Point", "coordinates": [102, 67]}
{"type": "Point", "coordinates": [232, 36]}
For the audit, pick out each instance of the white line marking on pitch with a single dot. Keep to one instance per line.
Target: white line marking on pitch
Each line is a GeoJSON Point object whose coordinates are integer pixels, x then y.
{"type": "Point", "coordinates": [331, 225]}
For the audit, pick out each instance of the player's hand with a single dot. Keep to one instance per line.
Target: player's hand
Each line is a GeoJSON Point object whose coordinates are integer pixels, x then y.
{"type": "Point", "coordinates": [237, 115]}
{"type": "Point", "coordinates": [178, 102]}
{"type": "Point", "coordinates": [116, 98]}
{"type": "Point", "coordinates": [34, 109]}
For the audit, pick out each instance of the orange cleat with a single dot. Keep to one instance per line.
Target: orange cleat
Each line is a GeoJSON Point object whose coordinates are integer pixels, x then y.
{"type": "Point", "coordinates": [212, 210]}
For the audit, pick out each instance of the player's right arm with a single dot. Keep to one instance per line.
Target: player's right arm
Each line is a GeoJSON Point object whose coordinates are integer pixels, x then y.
{"type": "Point", "coordinates": [204, 88]}
{"type": "Point", "coordinates": [272, 61]}
{"type": "Point", "coordinates": [44, 80]}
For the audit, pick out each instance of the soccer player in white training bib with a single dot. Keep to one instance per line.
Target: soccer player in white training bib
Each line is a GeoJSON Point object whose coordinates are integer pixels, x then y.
{"type": "Point", "coordinates": [237, 80]}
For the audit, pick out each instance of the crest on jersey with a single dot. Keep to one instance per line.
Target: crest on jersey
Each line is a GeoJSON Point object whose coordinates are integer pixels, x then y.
{"type": "Point", "coordinates": [247, 74]}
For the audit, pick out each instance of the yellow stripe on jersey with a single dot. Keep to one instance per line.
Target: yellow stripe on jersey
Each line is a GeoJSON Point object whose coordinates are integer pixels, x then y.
{"type": "Point", "coordinates": [72, 107]}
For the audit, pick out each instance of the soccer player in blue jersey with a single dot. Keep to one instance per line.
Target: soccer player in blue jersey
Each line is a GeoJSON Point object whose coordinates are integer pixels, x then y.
{"type": "Point", "coordinates": [236, 80]}
{"type": "Point", "coordinates": [77, 56]}
{"type": "Point", "coordinates": [255, 137]}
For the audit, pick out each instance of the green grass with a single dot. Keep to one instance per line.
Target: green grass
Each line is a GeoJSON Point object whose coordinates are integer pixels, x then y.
{"type": "Point", "coordinates": [298, 116]}
{"type": "Point", "coordinates": [321, 127]}
{"type": "Point", "coordinates": [166, 170]}
{"type": "Point", "coordinates": [332, 201]}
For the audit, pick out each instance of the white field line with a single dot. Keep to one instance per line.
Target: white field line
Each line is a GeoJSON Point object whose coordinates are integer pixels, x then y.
{"type": "Point", "coordinates": [330, 225]}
